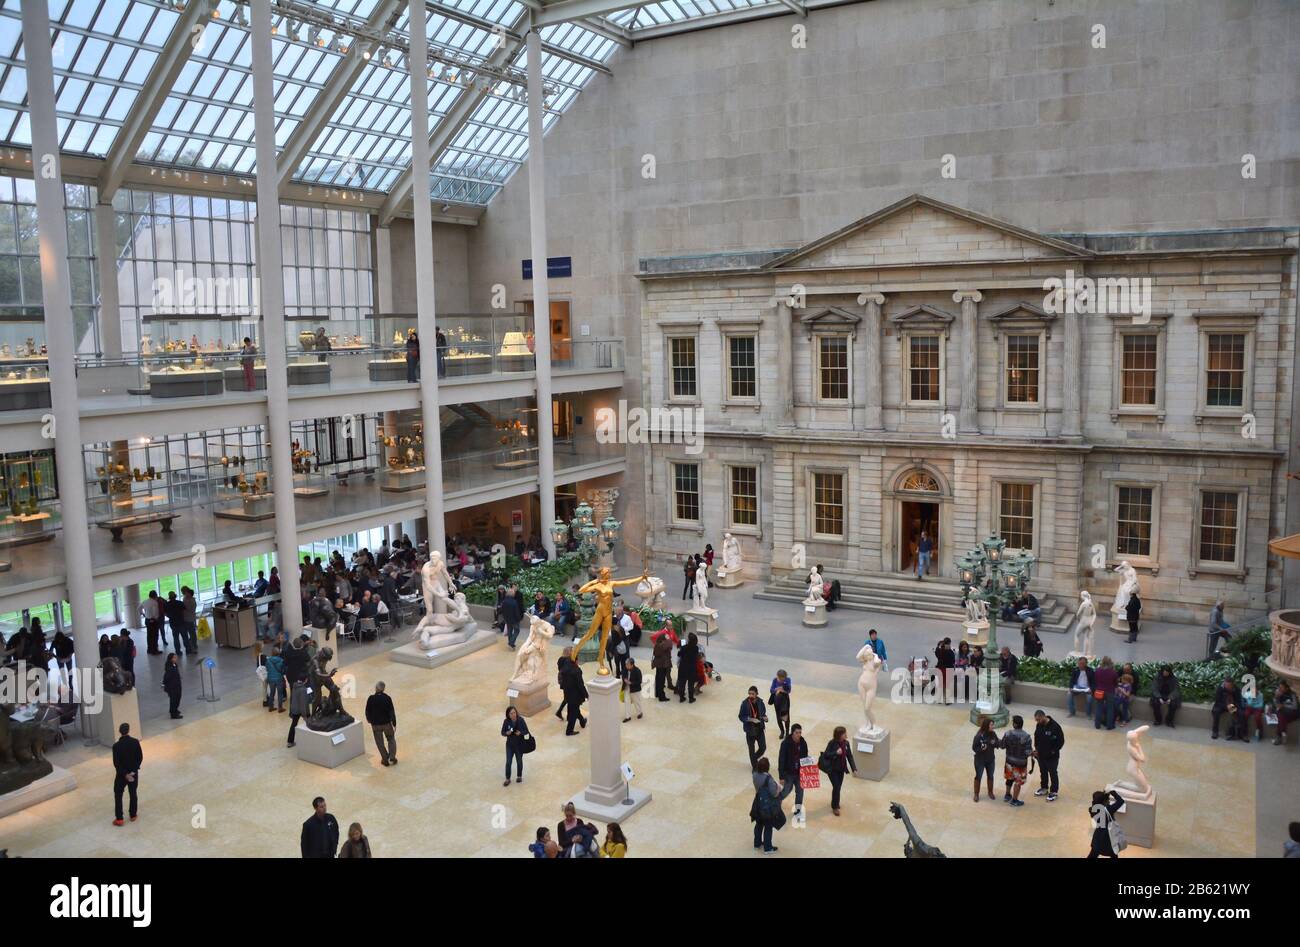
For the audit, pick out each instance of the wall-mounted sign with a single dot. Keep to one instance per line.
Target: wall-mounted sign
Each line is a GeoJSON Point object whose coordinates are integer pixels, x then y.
{"type": "Point", "coordinates": [557, 267]}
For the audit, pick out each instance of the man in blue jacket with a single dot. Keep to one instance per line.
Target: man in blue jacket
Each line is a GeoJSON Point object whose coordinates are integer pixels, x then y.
{"type": "Point", "coordinates": [877, 645]}
{"type": "Point", "coordinates": [753, 717]}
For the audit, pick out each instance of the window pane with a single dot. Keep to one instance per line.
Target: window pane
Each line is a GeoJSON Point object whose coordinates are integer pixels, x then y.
{"type": "Point", "coordinates": [1022, 369]}
{"type": "Point", "coordinates": [1219, 527]}
{"type": "Point", "coordinates": [833, 367]}
{"type": "Point", "coordinates": [686, 491]}
{"type": "Point", "coordinates": [1138, 379]}
{"type": "Point", "coordinates": [1133, 533]}
{"type": "Point", "coordinates": [1016, 515]}
{"type": "Point", "coordinates": [828, 504]}
{"type": "Point", "coordinates": [923, 368]}
{"type": "Point", "coordinates": [682, 353]}
{"type": "Point", "coordinates": [744, 496]}
{"type": "Point", "coordinates": [742, 372]}
{"type": "Point", "coordinates": [1225, 370]}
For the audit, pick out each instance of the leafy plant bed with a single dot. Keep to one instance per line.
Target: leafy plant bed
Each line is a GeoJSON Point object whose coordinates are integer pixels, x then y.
{"type": "Point", "coordinates": [1196, 679]}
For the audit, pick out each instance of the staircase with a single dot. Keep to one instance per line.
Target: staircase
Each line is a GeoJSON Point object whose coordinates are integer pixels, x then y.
{"type": "Point", "coordinates": [933, 598]}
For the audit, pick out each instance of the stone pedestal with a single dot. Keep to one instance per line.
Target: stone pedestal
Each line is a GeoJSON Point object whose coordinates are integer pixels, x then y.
{"type": "Point", "coordinates": [814, 614]}
{"type": "Point", "coordinates": [330, 748]}
{"type": "Point", "coordinates": [705, 620]}
{"type": "Point", "coordinates": [728, 580]}
{"type": "Point", "coordinates": [1118, 625]}
{"type": "Point", "coordinates": [604, 797]}
{"type": "Point", "coordinates": [118, 709]}
{"type": "Point", "coordinates": [1138, 818]}
{"type": "Point", "coordinates": [529, 698]}
{"type": "Point", "coordinates": [977, 633]}
{"type": "Point", "coordinates": [55, 783]}
{"type": "Point", "coordinates": [871, 753]}
{"type": "Point", "coordinates": [413, 654]}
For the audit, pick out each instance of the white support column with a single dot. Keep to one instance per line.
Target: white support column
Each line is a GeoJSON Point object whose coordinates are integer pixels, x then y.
{"type": "Point", "coordinates": [110, 312]}
{"type": "Point", "coordinates": [1072, 396]}
{"type": "Point", "coordinates": [969, 419]}
{"type": "Point", "coordinates": [541, 291]}
{"type": "Point", "coordinates": [271, 283]}
{"type": "Point", "coordinates": [873, 420]}
{"type": "Point", "coordinates": [384, 269]}
{"type": "Point", "coordinates": [53, 240]}
{"type": "Point", "coordinates": [425, 305]}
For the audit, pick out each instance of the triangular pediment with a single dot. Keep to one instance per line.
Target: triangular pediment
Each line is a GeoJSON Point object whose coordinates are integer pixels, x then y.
{"type": "Point", "coordinates": [917, 315]}
{"type": "Point", "coordinates": [920, 230]}
{"type": "Point", "coordinates": [1019, 315]}
{"type": "Point", "coordinates": [829, 318]}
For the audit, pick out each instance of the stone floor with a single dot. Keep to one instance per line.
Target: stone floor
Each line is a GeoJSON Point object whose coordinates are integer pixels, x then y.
{"type": "Point", "coordinates": [223, 784]}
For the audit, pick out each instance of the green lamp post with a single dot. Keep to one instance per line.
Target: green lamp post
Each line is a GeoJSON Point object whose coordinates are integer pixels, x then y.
{"type": "Point", "coordinates": [998, 579]}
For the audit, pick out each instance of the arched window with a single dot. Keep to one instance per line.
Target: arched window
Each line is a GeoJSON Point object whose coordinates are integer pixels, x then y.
{"type": "Point", "coordinates": [918, 481]}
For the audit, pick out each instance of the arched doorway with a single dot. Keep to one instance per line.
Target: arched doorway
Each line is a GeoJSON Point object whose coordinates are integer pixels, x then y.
{"type": "Point", "coordinates": [918, 496]}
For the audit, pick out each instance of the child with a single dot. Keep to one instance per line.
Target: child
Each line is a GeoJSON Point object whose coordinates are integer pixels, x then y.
{"type": "Point", "coordinates": [538, 848]}
{"type": "Point", "coordinates": [1124, 698]}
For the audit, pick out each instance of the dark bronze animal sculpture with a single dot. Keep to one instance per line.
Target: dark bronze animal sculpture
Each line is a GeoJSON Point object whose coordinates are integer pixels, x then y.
{"type": "Point", "coordinates": [913, 847]}
{"type": "Point", "coordinates": [117, 680]}
{"type": "Point", "coordinates": [22, 751]}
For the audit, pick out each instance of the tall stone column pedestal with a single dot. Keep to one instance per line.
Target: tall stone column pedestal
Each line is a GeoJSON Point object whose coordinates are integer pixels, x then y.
{"type": "Point", "coordinates": [871, 753]}
{"type": "Point", "coordinates": [118, 709]}
{"type": "Point", "coordinates": [605, 798]}
{"type": "Point", "coordinates": [1138, 819]}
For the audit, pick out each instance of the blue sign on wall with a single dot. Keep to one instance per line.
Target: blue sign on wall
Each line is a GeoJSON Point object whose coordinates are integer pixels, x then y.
{"type": "Point", "coordinates": [556, 267]}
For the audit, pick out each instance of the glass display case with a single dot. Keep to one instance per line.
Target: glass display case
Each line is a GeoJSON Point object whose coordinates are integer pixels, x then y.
{"type": "Point", "coordinates": [215, 335]}
{"type": "Point", "coordinates": [402, 443]}
{"type": "Point", "coordinates": [22, 338]}
{"type": "Point", "coordinates": [388, 364]}
{"type": "Point", "coordinates": [24, 387]}
{"type": "Point", "coordinates": [28, 495]}
{"type": "Point", "coordinates": [128, 485]}
{"type": "Point", "coordinates": [196, 376]}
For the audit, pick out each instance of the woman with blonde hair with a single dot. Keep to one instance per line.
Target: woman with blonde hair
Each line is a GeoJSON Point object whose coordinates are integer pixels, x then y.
{"type": "Point", "coordinates": [356, 845]}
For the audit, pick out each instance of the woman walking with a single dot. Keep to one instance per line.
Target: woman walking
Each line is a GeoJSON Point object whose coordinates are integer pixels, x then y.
{"type": "Point", "coordinates": [515, 730]}
{"type": "Point", "coordinates": [765, 811]}
{"type": "Point", "coordinates": [171, 683]}
{"type": "Point", "coordinates": [1104, 828]}
{"type": "Point", "coordinates": [838, 759]}
{"type": "Point", "coordinates": [984, 746]}
{"type": "Point", "coordinates": [356, 845]}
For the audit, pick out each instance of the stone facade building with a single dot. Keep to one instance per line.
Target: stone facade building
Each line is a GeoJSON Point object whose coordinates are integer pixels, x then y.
{"type": "Point", "coordinates": [913, 370]}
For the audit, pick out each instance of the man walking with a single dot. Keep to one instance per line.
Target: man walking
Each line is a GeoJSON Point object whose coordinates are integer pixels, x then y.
{"type": "Point", "coordinates": [1133, 611]}
{"type": "Point", "coordinates": [662, 662]}
{"type": "Point", "coordinates": [511, 615]}
{"type": "Point", "coordinates": [127, 757]}
{"type": "Point", "coordinates": [174, 609]}
{"type": "Point", "coordinates": [753, 717]}
{"type": "Point", "coordinates": [924, 549]}
{"type": "Point", "coordinates": [575, 692]}
{"type": "Point", "coordinates": [793, 751]}
{"type": "Point", "coordinates": [878, 645]}
{"type": "Point", "coordinates": [1019, 747]}
{"type": "Point", "coordinates": [1048, 740]}
{"type": "Point", "coordinates": [320, 833]}
{"type": "Point", "coordinates": [382, 717]}
{"type": "Point", "coordinates": [631, 689]}
{"type": "Point", "coordinates": [153, 614]}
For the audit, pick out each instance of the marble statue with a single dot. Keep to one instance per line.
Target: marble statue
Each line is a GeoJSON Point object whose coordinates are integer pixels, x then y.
{"type": "Point", "coordinates": [731, 558]}
{"type": "Point", "coordinates": [867, 683]}
{"type": "Point", "coordinates": [815, 593]}
{"type": "Point", "coordinates": [530, 659]}
{"type": "Point", "coordinates": [447, 619]}
{"type": "Point", "coordinates": [701, 590]}
{"type": "Point", "coordinates": [326, 711]}
{"type": "Point", "coordinates": [1085, 615]}
{"type": "Point", "coordinates": [603, 588]}
{"type": "Point", "coordinates": [977, 609]}
{"type": "Point", "coordinates": [651, 592]}
{"type": "Point", "coordinates": [1137, 782]}
{"type": "Point", "coordinates": [1127, 586]}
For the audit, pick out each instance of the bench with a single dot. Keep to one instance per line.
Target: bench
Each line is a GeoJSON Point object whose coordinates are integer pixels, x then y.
{"type": "Point", "coordinates": [117, 526]}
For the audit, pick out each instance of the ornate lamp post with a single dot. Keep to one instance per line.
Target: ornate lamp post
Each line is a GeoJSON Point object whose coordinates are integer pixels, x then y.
{"type": "Point", "coordinates": [591, 538]}
{"type": "Point", "coordinates": [998, 579]}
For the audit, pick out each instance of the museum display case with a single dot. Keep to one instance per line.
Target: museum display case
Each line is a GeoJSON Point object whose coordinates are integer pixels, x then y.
{"type": "Point", "coordinates": [22, 337]}
{"type": "Point", "coordinates": [24, 388]}
{"type": "Point", "coordinates": [216, 335]}
{"type": "Point", "coordinates": [28, 495]}
{"type": "Point", "coordinates": [402, 443]}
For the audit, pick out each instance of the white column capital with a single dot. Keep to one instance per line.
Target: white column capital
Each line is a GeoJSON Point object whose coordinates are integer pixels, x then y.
{"type": "Point", "coordinates": [961, 295]}
{"type": "Point", "coordinates": [870, 297]}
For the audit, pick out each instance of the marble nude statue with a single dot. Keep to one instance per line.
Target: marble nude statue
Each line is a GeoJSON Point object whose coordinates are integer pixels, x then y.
{"type": "Point", "coordinates": [731, 558]}
{"type": "Point", "coordinates": [446, 613]}
{"type": "Point", "coordinates": [1127, 586]}
{"type": "Point", "coordinates": [867, 683]}
{"type": "Point", "coordinates": [1137, 782]}
{"type": "Point", "coordinates": [530, 660]}
{"type": "Point", "coordinates": [701, 592]}
{"type": "Point", "coordinates": [1085, 616]}
{"type": "Point", "coordinates": [815, 592]}
{"type": "Point", "coordinates": [603, 588]}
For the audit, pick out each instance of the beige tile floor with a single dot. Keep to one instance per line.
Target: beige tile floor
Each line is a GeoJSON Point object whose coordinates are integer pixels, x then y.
{"type": "Point", "coordinates": [226, 785]}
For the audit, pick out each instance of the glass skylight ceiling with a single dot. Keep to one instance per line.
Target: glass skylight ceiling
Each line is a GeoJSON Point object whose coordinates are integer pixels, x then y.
{"type": "Point", "coordinates": [106, 54]}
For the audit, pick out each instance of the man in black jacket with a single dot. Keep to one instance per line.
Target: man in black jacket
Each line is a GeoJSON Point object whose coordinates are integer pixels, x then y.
{"type": "Point", "coordinates": [793, 750]}
{"type": "Point", "coordinates": [575, 692]}
{"type": "Point", "coordinates": [382, 717]}
{"type": "Point", "coordinates": [753, 717]}
{"type": "Point", "coordinates": [320, 833]}
{"type": "Point", "coordinates": [1227, 700]}
{"type": "Point", "coordinates": [1048, 740]}
{"type": "Point", "coordinates": [511, 614]}
{"type": "Point", "coordinates": [1133, 612]}
{"type": "Point", "coordinates": [127, 757]}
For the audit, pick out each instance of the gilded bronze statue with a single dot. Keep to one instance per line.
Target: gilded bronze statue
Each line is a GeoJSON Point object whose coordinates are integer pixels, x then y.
{"type": "Point", "coordinates": [603, 587]}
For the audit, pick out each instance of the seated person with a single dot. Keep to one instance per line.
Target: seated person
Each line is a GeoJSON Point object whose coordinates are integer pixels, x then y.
{"type": "Point", "coordinates": [1029, 610]}
{"type": "Point", "coordinates": [561, 614]}
{"type": "Point", "coordinates": [1227, 702]}
{"type": "Point", "coordinates": [1251, 711]}
{"type": "Point", "coordinates": [229, 595]}
{"type": "Point", "coordinates": [830, 589]}
{"type": "Point", "coordinates": [260, 586]}
{"type": "Point", "coordinates": [369, 607]}
{"type": "Point", "coordinates": [540, 607]}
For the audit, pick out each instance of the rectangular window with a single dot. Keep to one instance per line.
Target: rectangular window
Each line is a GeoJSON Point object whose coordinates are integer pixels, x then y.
{"type": "Point", "coordinates": [1225, 371]}
{"type": "Point", "coordinates": [1219, 526]}
{"type": "Point", "coordinates": [833, 367]}
{"type": "Point", "coordinates": [1138, 372]}
{"type": "Point", "coordinates": [744, 496]}
{"type": "Point", "coordinates": [686, 492]}
{"type": "Point", "coordinates": [1022, 369]}
{"type": "Point", "coordinates": [923, 368]}
{"type": "Point", "coordinates": [1016, 515]}
{"type": "Point", "coordinates": [682, 364]}
{"type": "Point", "coordinates": [742, 366]}
{"type": "Point", "coordinates": [1133, 521]}
{"type": "Point", "coordinates": [828, 504]}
